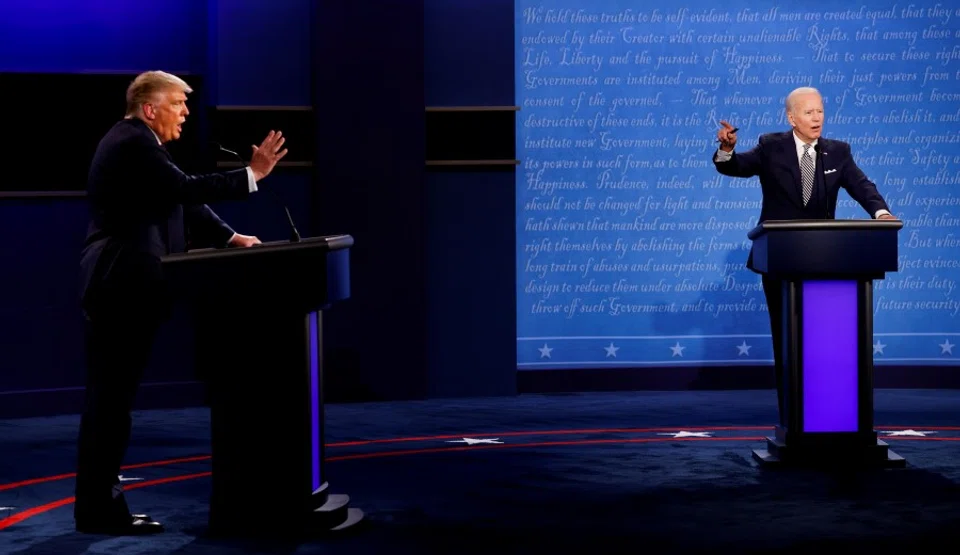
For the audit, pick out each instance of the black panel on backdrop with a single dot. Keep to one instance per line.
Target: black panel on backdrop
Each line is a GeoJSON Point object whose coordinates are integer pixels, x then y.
{"type": "Point", "coordinates": [54, 121]}
{"type": "Point", "coordinates": [471, 134]}
{"type": "Point", "coordinates": [237, 128]}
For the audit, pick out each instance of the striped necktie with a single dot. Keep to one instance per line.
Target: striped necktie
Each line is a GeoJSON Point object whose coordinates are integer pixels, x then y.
{"type": "Point", "coordinates": [806, 174]}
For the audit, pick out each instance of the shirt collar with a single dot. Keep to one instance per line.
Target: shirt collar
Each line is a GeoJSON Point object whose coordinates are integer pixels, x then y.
{"type": "Point", "coordinates": [800, 143]}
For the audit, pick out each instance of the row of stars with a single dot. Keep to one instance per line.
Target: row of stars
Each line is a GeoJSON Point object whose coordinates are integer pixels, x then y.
{"type": "Point", "coordinates": [946, 348]}
{"type": "Point", "coordinates": [611, 349]}
{"type": "Point", "coordinates": [683, 434]}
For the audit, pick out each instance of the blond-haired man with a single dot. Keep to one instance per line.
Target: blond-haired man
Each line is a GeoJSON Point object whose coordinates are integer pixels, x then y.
{"type": "Point", "coordinates": [142, 206]}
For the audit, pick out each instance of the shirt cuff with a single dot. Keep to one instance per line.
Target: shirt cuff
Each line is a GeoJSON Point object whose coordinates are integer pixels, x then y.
{"type": "Point", "coordinates": [251, 182]}
{"type": "Point", "coordinates": [722, 155]}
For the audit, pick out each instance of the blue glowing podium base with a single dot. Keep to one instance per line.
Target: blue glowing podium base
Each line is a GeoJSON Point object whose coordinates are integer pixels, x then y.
{"type": "Point", "coordinates": [827, 269]}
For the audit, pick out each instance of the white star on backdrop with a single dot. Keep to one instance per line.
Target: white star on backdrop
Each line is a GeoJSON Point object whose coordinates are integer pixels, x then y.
{"type": "Point", "coordinates": [545, 351]}
{"type": "Point", "coordinates": [684, 433]}
{"type": "Point", "coordinates": [472, 441]}
{"type": "Point", "coordinates": [125, 479]}
{"type": "Point", "coordinates": [743, 348]}
{"type": "Point", "coordinates": [907, 433]}
{"type": "Point", "coordinates": [677, 350]}
{"type": "Point", "coordinates": [946, 348]}
{"type": "Point", "coordinates": [878, 348]}
{"type": "Point", "coordinates": [611, 350]}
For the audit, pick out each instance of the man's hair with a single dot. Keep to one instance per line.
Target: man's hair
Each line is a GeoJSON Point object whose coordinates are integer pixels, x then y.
{"type": "Point", "coordinates": [797, 92]}
{"type": "Point", "coordinates": [148, 84]}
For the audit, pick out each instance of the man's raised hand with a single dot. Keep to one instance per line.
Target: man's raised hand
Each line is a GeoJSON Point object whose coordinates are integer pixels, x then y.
{"type": "Point", "coordinates": [727, 135]}
{"type": "Point", "coordinates": [266, 156]}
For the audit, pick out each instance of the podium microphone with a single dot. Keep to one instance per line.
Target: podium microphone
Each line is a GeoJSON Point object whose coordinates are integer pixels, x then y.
{"type": "Point", "coordinates": [294, 234]}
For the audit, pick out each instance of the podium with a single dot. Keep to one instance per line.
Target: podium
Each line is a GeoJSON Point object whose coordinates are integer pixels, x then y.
{"type": "Point", "coordinates": [827, 268]}
{"type": "Point", "coordinates": [257, 318]}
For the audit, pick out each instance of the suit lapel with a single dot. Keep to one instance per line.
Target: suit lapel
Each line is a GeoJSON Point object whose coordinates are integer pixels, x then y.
{"type": "Point", "coordinates": [820, 178]}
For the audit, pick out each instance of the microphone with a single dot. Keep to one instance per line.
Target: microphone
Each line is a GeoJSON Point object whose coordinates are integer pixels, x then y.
{"type": "Point", "coordinates": [294, 234]}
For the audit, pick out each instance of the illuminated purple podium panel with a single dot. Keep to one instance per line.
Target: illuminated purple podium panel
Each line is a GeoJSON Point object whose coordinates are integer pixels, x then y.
{"type": "Point", "coordinates": [827, 268]}
{"type": "Point", "coordinates": [257, 317]}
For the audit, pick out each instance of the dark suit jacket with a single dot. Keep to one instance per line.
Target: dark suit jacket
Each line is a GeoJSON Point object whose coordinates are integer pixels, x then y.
{"type": "Point", "coordinates": [775, 161]}
{"type": "Point", "coordinates": [141, 207]}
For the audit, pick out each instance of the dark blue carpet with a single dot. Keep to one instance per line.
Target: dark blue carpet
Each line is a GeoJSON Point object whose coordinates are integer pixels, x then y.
{"type": "Point", "coordinates": [558, 474]}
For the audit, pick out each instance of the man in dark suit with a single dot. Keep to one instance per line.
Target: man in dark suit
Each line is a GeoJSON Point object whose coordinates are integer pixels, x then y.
{"type": "Point", "coordinates": [142, 206]}
{"type": "Point", "coordinates": [794, 188]}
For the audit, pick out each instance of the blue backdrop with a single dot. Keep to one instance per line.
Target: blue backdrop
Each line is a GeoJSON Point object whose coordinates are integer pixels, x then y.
{"type": "Point", "coordinates": [631, 247]}
{"type": "Point", "coordinates": [105, 36]}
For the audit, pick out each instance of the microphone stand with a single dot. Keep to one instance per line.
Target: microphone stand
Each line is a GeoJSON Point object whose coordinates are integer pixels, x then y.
{"type": "Point", "coordinates": [294, 234]}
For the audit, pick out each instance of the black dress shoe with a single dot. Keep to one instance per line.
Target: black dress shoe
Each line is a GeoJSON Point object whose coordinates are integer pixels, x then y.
{"type": "Point", "coordinates": [134, 527]}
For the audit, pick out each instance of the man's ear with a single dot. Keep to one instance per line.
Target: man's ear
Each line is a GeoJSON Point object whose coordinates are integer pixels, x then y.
{"type": "Point", "coordinates": [148, 111]}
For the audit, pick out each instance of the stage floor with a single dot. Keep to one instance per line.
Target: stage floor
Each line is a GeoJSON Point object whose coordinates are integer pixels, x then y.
{"type": "Point", "coordinates": [557, 473]}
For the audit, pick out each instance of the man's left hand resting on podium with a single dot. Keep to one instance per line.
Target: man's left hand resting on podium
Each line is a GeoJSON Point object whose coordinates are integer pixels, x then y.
{"type": "Point", "coordinates": [243, 240]}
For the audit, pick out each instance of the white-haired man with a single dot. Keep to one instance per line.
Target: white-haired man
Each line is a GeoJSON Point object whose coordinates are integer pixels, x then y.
{"type": "Point", "coordinates": [793, 189]}
{"type": "Point", "coordinates": [142, 206]}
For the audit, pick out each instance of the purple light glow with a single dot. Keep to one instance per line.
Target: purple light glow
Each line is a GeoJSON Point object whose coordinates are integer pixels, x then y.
{"type": "Point", "coordinates": [314, 401]}
{"type": "Point", "coordinates": [830, 373]}
{"type": "Point", "coordinates": [54, 36]}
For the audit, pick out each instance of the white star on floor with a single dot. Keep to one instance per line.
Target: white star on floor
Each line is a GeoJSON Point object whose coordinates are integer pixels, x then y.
{"type": "Point", "coordinates": [905, 433]}
{"type": "Point", "coordinates": [946, 348]}
{"type": "Point", "coordinates": [677, 349]}
{"type": "Point", "coordinates": [684, 433]}
{"type": "Point", "coordinates": [878, 348]}
{"type": "Point", "coordinates": [611, 350]}
{"type": "Point", "coordinates": [743, 348]}
{"type": "Point", "coordinates": [544, 351]}
{"type": "Point", "coordinates": [472, 441]}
